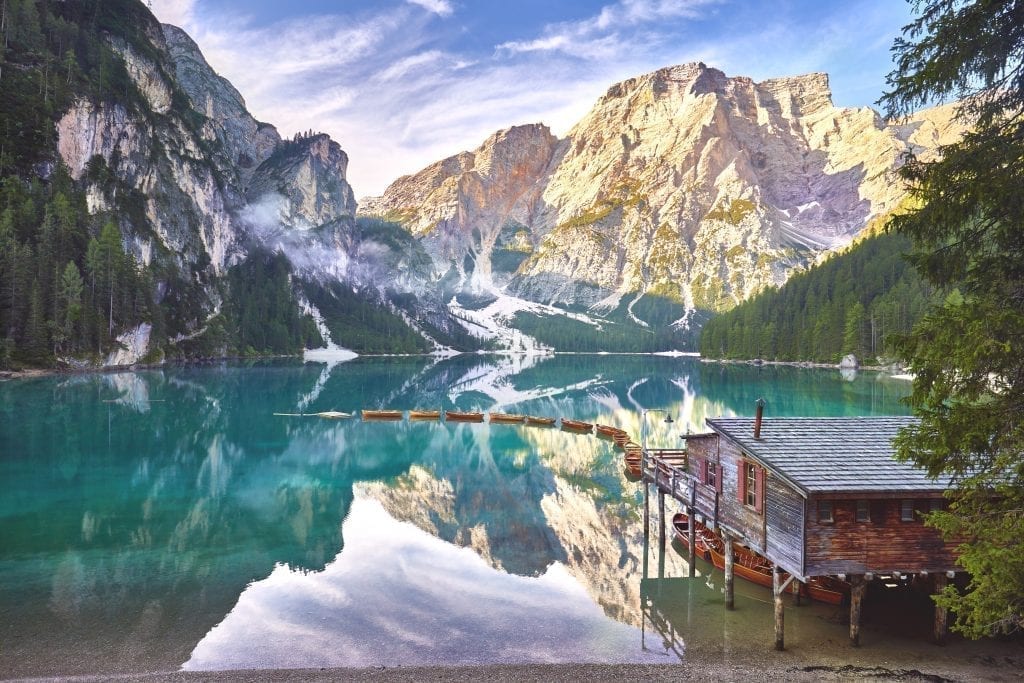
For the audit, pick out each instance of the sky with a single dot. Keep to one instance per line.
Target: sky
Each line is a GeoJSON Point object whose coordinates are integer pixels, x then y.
{"type": "Point", "coordinates": [400, 84]}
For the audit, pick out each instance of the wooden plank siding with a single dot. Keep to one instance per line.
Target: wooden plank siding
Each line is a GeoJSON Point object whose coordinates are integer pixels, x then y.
{"type": "Point", "coordinates": [701, 449]}
{"type": "Point", "coordinates": [784, 518]}
{"type": "Point", "coordinates": [882, 545]}
{"type": "Point", "coordinates": [787, 530]}
{"type": "Point", "coordinates": [734, 515]}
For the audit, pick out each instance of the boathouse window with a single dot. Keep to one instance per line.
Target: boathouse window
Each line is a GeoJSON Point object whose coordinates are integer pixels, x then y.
{"type": "Point", "coordinates": [936, 504]}
{"type": "Point", "coordinates": [711, 474]}
{"type": "Point", "coordinates": [825, 512]}
{"type": "Point", "coordinates": [863, 511]}
{"type": "Point", "coordinates": [907, 511]}
{"type": "Point", "coordinates": [751, 486]}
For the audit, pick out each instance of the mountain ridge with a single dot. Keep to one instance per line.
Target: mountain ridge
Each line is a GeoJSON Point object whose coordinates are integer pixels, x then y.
{"type": "Point", "coordinates": [683, 183]}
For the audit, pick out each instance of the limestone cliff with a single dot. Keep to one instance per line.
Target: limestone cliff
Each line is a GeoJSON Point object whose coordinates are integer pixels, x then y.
{"type": "Point", "coordinates": [472, 210]}
{"type": "Point", "coordinates": [196, 183]}
{"type": "Point", "coordinates": [683, 183]}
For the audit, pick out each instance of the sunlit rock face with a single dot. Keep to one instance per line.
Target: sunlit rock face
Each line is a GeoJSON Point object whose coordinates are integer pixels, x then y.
{"type": "Point", "coordinates": [682, 183]}
{"type": "Point", "coordinates": [472, 210]}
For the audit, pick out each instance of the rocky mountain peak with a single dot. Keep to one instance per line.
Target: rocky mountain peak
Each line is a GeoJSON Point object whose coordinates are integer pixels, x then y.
{"type": "Point", "coordinates": [683, 184]}
{"type": "Point", "coordinates": [244, 142]}
{"type": "Point", "coordinates": [308, 172]}
{"type": "Point", "coordinates": [473, 205]}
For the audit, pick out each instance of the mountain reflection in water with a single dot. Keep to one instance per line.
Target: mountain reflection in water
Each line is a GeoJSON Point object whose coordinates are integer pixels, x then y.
{"type": "Point", "coordinates": [139, 507]}
{"type": "Point", "coordinates": [399, 596]}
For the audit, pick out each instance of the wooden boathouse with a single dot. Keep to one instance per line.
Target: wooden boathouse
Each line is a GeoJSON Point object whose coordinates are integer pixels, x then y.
{"type": "Point", "coordinates": [814, 496]}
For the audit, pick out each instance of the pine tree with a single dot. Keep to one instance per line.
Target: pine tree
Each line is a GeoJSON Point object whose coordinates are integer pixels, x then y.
{"type": "Point", "coordinates": [968, 353]}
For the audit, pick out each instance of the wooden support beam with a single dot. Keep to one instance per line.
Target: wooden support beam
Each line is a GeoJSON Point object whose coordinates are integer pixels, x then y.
{"type": "Point", "coordinates": [730, 602]}
{"type": "Point", "coordinates": [647, 524]}
{"type": "Point", "coordinates": [941, 615]}
{"type": "Point", "coordinates": [647, 511]}
{"type": "Point", "coordinates": [780, 627]}
{"type": "Point", "coordinates": [661, 534]}
{"type": "Point", "coordinates": [661, 522]}
{"type": "Point", "coordinates": [691, 538]}
{"type": "Point", "coordinates": [858, 584]}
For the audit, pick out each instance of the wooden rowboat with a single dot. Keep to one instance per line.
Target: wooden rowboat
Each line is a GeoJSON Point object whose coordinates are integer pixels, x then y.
{"type": "Point", "coordinates": [634, 463]}
{"type": "Point", "coordinates": [607, 432]}
{"type": "Point", "coordinates": [576, 426]}
{"type": "Point", "coordinates": [329, 414]}
{"type": "Point", "coordinates": [424, 414]}
{"type": "Point", "coordinates": [455, 416]}
{"type": "Point", "coordinates": [540, 421]}
{"type": "Point", "coordinates": [681, 526]}
{"type": "Point", "coordinates": [382, 414]}
{"type": "Point", "coordinates": [828, 589]}
{"type": "Point", "coordinates": [506, 418]}
{"type": "Point", "coordinates": [753, 567]}
{"type": "Point", "coordinates": [621, 438]}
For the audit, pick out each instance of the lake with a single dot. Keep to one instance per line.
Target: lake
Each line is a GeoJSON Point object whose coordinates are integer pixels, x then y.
{"type": "Point", "coordinates": [167, 518]}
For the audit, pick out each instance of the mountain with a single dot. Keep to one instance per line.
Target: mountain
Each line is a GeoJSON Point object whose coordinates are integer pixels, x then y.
{"type": "Point", "coordinates": [682, 185]}
{"type": "Point", "coordinates": [147, 214]}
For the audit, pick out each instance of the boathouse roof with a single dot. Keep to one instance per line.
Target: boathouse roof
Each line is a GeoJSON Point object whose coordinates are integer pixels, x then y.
{"type": "Point", "coordinates": [830, 454]}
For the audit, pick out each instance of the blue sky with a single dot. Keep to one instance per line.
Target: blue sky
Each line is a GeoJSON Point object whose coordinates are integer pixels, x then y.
{"type": "Point", "coordinates": [402, 83]}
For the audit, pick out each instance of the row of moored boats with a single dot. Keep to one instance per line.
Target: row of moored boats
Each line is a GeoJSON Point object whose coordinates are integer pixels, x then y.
{"type": "Point", "coordinates": [494, 418]}
{"type": "Point", "coordinates": [750, 565]}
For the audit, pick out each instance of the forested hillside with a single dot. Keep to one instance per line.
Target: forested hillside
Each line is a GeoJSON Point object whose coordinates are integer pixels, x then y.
{"type": "Point", "coordinates": [82, 259]}
{"type": "Point", "coordinates": [66, 284]}
{"type": "Point", "coordinates": [851, 303]}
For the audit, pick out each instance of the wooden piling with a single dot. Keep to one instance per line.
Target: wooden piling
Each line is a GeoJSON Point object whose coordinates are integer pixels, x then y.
{"type": "Point", "coordinates": [941, 615]}
{"type": "Point", "coordinates": [647, 524]}
{"type": "Point", "coordinates": [691, 510]}
{"type": "Point", "coordinates": [647, 511]}
{"type": "Point", "coordinates": [691, 538]}
{"type": "Point", "coordinates": [777, 590]}
{"type": "Point", "coordinates": [661, 534]}
{"type": "Point", "coordinates": [729, 573]}
{"type": "Point", "coordinates": [661, 522]}
{"type": "Point", "coordinates": [857, 587]}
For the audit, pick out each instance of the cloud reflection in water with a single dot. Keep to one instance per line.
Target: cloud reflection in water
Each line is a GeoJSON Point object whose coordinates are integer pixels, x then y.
{"type": "Point", "coordinates": [397, 596]}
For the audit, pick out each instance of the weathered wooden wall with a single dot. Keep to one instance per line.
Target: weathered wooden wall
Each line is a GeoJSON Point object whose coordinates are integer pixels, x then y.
{"type": "Point", "coordinates": [784, 518]}
{"type": "Point", "coordinates": [882, 545]}
{"type": "Point", "coordinates": [700, 449]}
{"type": "Point", "coordinates": [733, 514]}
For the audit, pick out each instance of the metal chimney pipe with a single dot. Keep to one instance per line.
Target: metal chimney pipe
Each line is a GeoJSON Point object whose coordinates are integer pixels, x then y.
{"type": "Point", "coordinates": [757, 417]}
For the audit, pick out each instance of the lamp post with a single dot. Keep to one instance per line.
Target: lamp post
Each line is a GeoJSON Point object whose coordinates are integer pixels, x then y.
{"type": "Point", "coordinates": [643, 424]}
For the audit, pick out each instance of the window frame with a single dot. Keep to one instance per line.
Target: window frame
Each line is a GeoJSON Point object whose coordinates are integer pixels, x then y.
{"type": "Point", "coordinates": [826, 511]}
{"type": "Point", "coordinates": [907, 511]}
{"type": "Point", "coordinates": [750, 484]}
{"type": "Point", "coordinates": [863, 515]}
{"type": "Point", "coordinates": [711, 474]}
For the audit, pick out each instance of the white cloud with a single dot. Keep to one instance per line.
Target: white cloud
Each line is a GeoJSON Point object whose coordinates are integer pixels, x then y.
{"type": "Point", "coordinates": [598, 36]}
{"type": "Point", "coordinates": [441, 8]}
{"type": "Point", "coordinates": [177, 12]}
{"type": "Point", "coordinates": [405, 65]}
{"type": "Point", "coordinates": [399, 91]}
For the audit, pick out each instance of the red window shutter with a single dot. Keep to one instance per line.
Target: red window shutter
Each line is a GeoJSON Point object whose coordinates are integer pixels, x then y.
{"type": "Point", "coordinates": [702, 471]}
{"type": "Point", "coordinates": [741, 482]}
{"type": "Point", "coordinates": [759, 475]}
{"type": "Point", "coordinates": [718, 478]}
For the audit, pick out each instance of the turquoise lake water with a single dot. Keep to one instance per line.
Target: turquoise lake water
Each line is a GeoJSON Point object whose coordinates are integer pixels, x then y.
{"type": "Point", "coordinates": [164, 519]}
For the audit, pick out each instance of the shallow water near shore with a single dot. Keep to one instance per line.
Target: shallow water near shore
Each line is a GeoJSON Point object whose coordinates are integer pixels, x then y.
{"type": "Point", "coordinates": [167, 519]}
